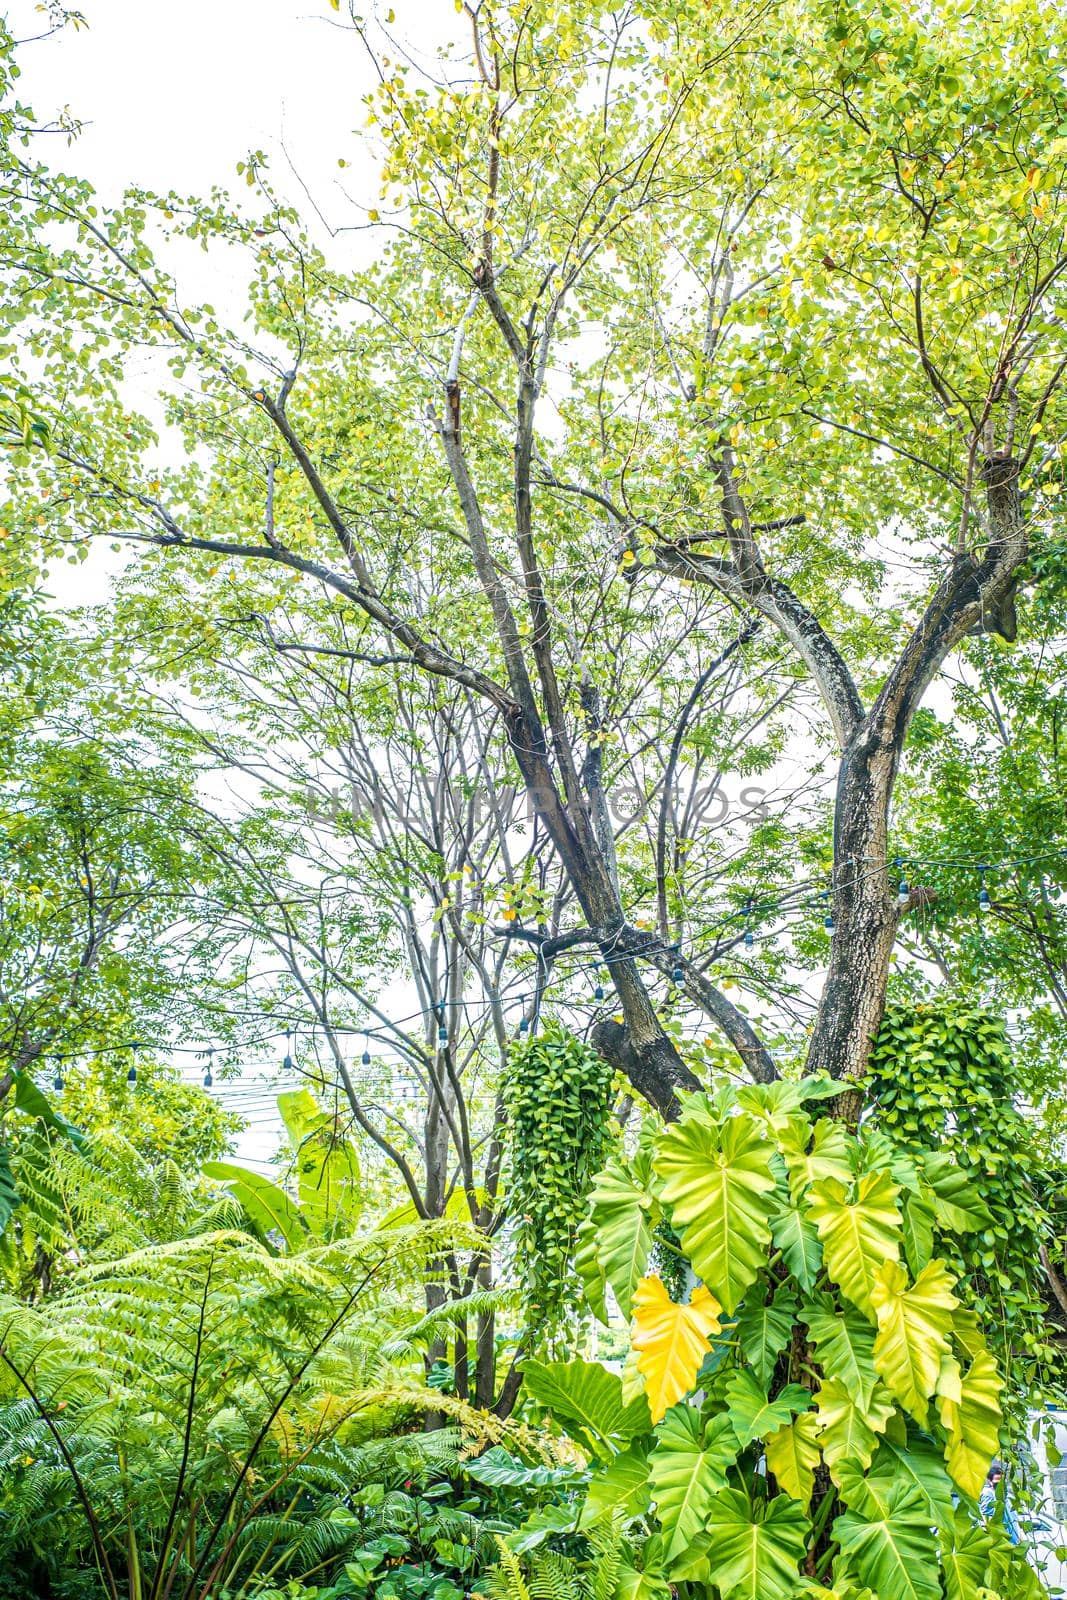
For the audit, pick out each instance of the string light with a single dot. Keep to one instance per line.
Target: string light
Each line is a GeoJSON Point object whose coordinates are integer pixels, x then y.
{"type": "Point", "coordinates": [984, 902]}
{"type": "Point", "coordinates": [828, 920]}
{"type": "Point", "coordinates": [902, 887]}
{"type": "Point", "coordinates": [57, 1082]}
{"type": "Point", "coordinates": [131, 1076]}
{"type": "Point", "coordinates": [287, 1062]}
{"type": "Point", "coordinates": [208, 1075]}
{"type": "Point", "coordinates": [365, 1057]}
{"type": "Point", "coordinates": [749, 939]}
{"type": "Point", "coordinates": [677, 973]}
{"type": "Point", "coordinates": [598, 992]}
{"type": "Point", "coordinates": [442, 1031]}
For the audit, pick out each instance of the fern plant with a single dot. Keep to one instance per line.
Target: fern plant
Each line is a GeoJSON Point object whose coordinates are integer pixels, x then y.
{"type": "Point", "coordinates": [195, 1419]}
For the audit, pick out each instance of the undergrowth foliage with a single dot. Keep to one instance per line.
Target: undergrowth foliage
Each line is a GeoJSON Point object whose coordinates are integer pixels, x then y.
{"type": "Point", "coordinates": [819, 1415]}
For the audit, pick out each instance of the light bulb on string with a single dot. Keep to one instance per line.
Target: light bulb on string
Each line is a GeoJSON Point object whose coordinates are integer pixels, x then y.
{"type": "Point", "coordinates": [598, 992]}
{"type": "Point", "coordinates": [208, 1075]}
{"type": "Point", "coordinates": [287, 1063]}
{"type": "Point", "coordinates": [131, 1076]}
{"type": "Point", "coordinates": [677, 972]}
{"type": "Point", "coordinates": [828, 920]}
{"type": "Point", "coordinates": [903, 893]}
{"type": "Point", "coordinates": [749, 939]}
{"type": "Point", "coordinates": [57, 1081]}
{"type": "Point", "coordinates": [524, 1021]}
{"type": "Point", "coordinates": [442, 1031]}
{"type": "Point", "coordinates": [365, 1057]}
{"type": "Point", "coordinates": [985, 905]}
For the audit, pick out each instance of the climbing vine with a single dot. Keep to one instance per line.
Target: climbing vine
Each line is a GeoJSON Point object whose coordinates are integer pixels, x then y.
{"type": "Point", "coordinates": [559, 1107]}
{"type": "Point", "coordinates": [943, 1078]}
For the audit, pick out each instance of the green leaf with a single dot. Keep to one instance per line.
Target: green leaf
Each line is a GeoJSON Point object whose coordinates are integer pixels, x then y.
{"type": "Point", "coordinates": [957, 1203]}
{"type": "Point", "coordinates": [620, 1214]}
{"type": "Point", "coordinates": [860, 1230]}
{"type": "Point", "coordinates": [588, 1267]}
{"type": "Point", "coordinates": [498, 1469]}
{"type": "Point", "coordinates": [268, 1208]}
{"type": "Point", "coordinates": [718, 1183]}
{"type": "Point", "coordinates": [755, 1549]}
{"type": "Point", "coordinates": [970, 1413]}
{"type": "Point", "coordinates": [620, 1485]}
{"type": "Point", "coordinates": [752, 1414]}
{"type": "Point", "coordinates": [793, 1453]}
{"type": "Point", "coordinates": [685, 1469]}
{"type": "Point", "coordinates": [890, 1552]}
{"type": "Point", "coordinates": [908, 1459]}
{"type": "Point", "coordinates": [914, 1324]}
{"type": "Point", "coordinates": [35, 1103]}
{"type": "Point", "coordinates": [9, 1195]}
{"type": "Point", "coordinates": [586, 1400]}
{"type": "Point", "coordinates": [829, 1157]}
{"type": "Point", "coordinates": [918, 1220]}
{"type": "Point", "coordinates": [965, 1558]}
{"type": "Point", "coordinates": [844, 1344]}
{"type": "Point", "coordinates": [849, 1424]}
{"type": "Point", "coordinates": [796, 1237]}
{"type": "Point", "coordinates": [763, 1332]}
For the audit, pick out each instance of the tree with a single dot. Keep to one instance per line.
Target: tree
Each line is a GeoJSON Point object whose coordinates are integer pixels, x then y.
{"type": "Point", "coordinates": [749, 199]}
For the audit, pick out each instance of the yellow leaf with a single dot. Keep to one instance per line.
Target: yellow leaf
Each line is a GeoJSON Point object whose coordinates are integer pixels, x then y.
{"type": "Point", "coordinates": [970, 1414]}
{"type": "Point", "coordinates": [793, 1455]}
{"type": "Point", "coordinates": [913, 1332]}
{"type": "Point", "coordinates": [671, 1340]}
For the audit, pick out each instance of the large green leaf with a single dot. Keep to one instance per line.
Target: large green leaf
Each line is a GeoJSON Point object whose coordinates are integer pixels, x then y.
{"type": "Point", "coordinates": [891, 1552]}
{"type": "Point", "coordinates": [965, 1558]}
{"type": "Point", "coordinates": [587, 1266]}
{"type": "Point", "coordinates": [620, 1214]}
{"type": "Point", "coordinates": [620, 1485]}
{"type": "Point", "coordinates": [499, 1469]}
{"type": "Point", "coordinates": [918, 1221]}
{"type": "Point", "coordinates": [763, 1331]}
{"type": "Point", "coordinates": [828, 1157]}
{"type": "Point", "coordinates": [970, 1413]}
{"type": "Point", "coordinates": [793, 1454]}
{"type": "Point", "coordinates": [850, 1423]}
{"type": "Point", "coordinates": [35, 1103]}
{"type": "Point", "coordinates": [957, 1202]}
{"type": "Point", "coordinates": [327, 1165]}
{"type": "Point", "coordinates": [671, 1340]}
{"type": "Point", "coordinates": [844, 1344]}
{"type": "Point", "coordinates": [268, 1208]}
{"type": "Point", "coordinates": [907, 1459]}
{"type": "Point", "coordinates": [798, 1240]}
{"type": "Point", "coordinates": [718, 1183]}
{"type": "Point", "coordinates": [9, 1195]}
{"type": "Point", "coordinates": [860, 1229]}
{"type": "Point", "coordinates": [755, 1548]}
{"type": "Point", "coordinates": [914, 1323]}
{"type": "Point", "coordinates": [686, 1467]}
{"type": "Point", "coordinates": [586, 1400]}
{"type": "Point", "coordinates": [752, 1414]}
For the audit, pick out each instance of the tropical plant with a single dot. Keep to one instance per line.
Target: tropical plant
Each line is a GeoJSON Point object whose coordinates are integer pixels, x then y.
{"type": "Point", "coordinates": [819, 1415]}
{"type": "Point", "coordinates": [201, 1418]}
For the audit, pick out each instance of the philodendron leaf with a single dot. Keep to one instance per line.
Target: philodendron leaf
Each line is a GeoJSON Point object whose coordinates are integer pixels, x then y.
{"type": "Point", "coordinates": [914, 1324]}
{"type": "Point", "coordinates": [793, 1453]}
{"type": "Point", "coordinates": [497, 1468]}
{"type": "Point", "coordinates": [685, 1469]}
{"type": "Point", "coordinates": [965, 1555]}
{"type": "Point", "coordinates": [860, 1229]}
{"type": "Point", "coordinates": [755, 1548]}
{"type": "Point", "coordinates": [620, 1215]}
{"type": "Point", "coordinates": [588, 1267]}
{"type": "Point", "coordinates": [752, 1414]}
{"type": "Point", "coordinates": [891, 1552]}
{"type": "Point", "coordinates": [620, 1485]}
{"type": "Point", "coordinates": [844, 1344]}
{"type": "Point", "coordinates": [763, 1331]}
{"type": "Point", "coordinates": [909, 1460]}
{"type": "Point", "coordinates": [828, 1157]}
{"type": "Point", "coordinates": [848, 1424]}
{"type": "Point", "coordinates": [671, 1340]}
{"type": "Point", "coordinates": [719, 1186]}
{"type": "Point", "coordinates": [970, 1413]}
{"type": "Point", "coordinates": [795, 1235]}
{"type": "Point", "coordinates": [586, 1400]}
